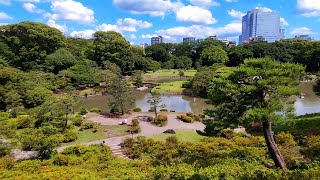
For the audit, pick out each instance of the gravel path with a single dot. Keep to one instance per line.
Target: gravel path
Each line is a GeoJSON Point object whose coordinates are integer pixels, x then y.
{"type": "Point", "coordinates": [146, 128]}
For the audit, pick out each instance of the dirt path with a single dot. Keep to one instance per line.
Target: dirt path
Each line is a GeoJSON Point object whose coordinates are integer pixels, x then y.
{"type": "Point", "coordinates": [146, 128]}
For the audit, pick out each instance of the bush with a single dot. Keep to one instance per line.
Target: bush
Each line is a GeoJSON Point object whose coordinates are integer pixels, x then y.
{"type": "Point", "coordinates": [22, 122]}
{"type": "Point", "coordinates": [285, 139]}
{"type": "Point", "coordinates": [137, 109]}
{"type": "Point", "coordinates": [95, 110]}
{"type": "Point", "coordinates": [70, 136]}
{"type": "Point", "coordinates": [187, 119]}
{"type": "Point", "coordinates": [88, 125]}
{"type": "Point", "coordinates": [61, 160]}
{"type": "Point", "coordinates": [164, 110]}
{"type": "Point", "coordinates": [160, 120]}
{"type": "Point", "coordinates": [150, 119]}
{"type": "Point", "coordinates": [151, 110]}
{"type": "Point", "coordinates": [77, 121]}
{"type": "Point", "coordinates": [172, 110]}
{"type": "Point", "coordinates": [83, 111]}
{"type": "Point", "coordinates": [135, 122]}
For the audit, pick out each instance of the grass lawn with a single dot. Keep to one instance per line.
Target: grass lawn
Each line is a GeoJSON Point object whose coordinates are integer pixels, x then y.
{"type": "Point", "coordinates": [169, 87]}
{"type": "Point", "coordinates": [182, 135]}
{"type": "Point", "coordinates": [168, 73]}
{"type": "Point", "coordinates": [103, 133]}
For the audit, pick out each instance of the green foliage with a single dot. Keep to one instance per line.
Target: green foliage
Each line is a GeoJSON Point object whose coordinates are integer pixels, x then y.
{"type": "Point", "coordinates": [212, 55]}
{"type": "Point", "coordinates": [160, 120]}
{"type": "Point", "coordinates": [88, 125]}
{"type": "Point", "coordinates": [95, 110]}
{"type": "Point", "coordinates": [137, 109]}
{"type": "Point", "coordinates": [83, 111]}
{"type": "Point", "coordinates": [60, 60]}
{"type": "Point", "coordinates": [37, 96]}
{"type": "Point", "coordinates": [137, 78]}
{"type": "Point", "coordinates": [69, 136]}
{"type": "Point", "coordinates": [121, 95]}
{"type": "Point", "coordinates": [77, 121]}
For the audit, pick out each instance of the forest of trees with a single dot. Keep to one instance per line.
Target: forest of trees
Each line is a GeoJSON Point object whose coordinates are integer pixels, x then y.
{"type": "Point", "coordinates": [247, 84]}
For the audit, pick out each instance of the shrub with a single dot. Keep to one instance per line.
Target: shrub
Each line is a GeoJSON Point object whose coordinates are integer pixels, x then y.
{"type": "Point", "coordinates": [135, 129]}
{"type": "Point", "coordinates": [88, 125]}
{"type": "Point", "coordinates": [150, 119]}
{"type": "Point", "coordinates": [172, 110]}
{"type": "Point", "coordinates": [187, 119]}
{"type": "Point", "coordinates": [77, 121]}
{"type": "Point", "coordinates": [61, 160]}
{"type": "Point", "coordinates": [137, 109]}
{"type": "Point", "coordinates": [4, 116]}
{"type": "Point", "coordinates": [285, 139]}
{"type": "Point", "coordinates": [95, 110]}
{"type": "Point", "coordinates": [69, 136]}
{"type": "Point", "coordinates": [24, 122]}
{"type": "Point", "coordinates": [151, 110]}
{"type": "Point", "coordinates": [160, 120]}
{"type": "Point", "coordinates": [164, 110]}
{"type": "Point", "coordinates": [135, 122]}
{"type": "Point", "coordinates": [83, 111]}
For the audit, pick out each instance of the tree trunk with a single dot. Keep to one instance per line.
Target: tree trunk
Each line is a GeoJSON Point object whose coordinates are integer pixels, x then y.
{"type": "Point", "coordinates": [272, 147]}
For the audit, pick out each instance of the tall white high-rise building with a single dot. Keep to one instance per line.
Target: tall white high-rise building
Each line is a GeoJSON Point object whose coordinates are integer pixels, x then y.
{"type": "Point", "coordinates": [261, 24]}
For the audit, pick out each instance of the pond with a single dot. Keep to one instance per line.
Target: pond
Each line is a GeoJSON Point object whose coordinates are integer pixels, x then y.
{"type": "Point", "coordinates": [310, 103]}
{"type": "Point", "coordinates": [180, 103]}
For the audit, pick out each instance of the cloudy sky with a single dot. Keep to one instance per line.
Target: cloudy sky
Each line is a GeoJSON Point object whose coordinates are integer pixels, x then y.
{"type": "Point", "coordinates": [138, 20]}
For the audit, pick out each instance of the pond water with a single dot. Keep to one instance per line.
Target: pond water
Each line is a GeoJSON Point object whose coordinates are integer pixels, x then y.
{"type": "Point", "coordinates": [309, 104]}
{"type": "Point", "coordinates": [179, 103]}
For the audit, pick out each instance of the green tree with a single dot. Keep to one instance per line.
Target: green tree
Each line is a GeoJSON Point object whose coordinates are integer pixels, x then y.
{"type": "Point", "coordinates": [121, 94]}
{"type": "Point", "coordinates": [31, 43]}
{"type": "Point", "coordinates": [37, 96]}
{"type": "Point", "coordinates": [59, 60]}
{"type": "Point", "coordinates": [254, 92]}
{"type": "Point", "coordinates": [137, 78]}
{"type": "Point", "coordinates": [212, 55]}
{"type": "Point", "coordinates": [237, 55]}
{"type": "Point", "coordinates": [158, 52]}
{"type": "Point", "coordinates": [155, 102]}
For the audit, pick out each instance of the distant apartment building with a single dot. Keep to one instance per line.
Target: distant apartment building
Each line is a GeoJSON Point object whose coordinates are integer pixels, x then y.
{"type": "Point", "coordinates": [304, 37]}
{"type": "Point", "coordinates": [157, 40]}
{"type": "Point", "coordinates": [261, 24]}
{"type": "Point", "coordinates": [189, 39]}
{"type": "Point", "coordinates": [144, 45]}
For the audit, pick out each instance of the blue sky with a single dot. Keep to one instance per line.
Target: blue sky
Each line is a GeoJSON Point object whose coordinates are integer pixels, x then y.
{"type": "Point", "coordinates": [138, 20]}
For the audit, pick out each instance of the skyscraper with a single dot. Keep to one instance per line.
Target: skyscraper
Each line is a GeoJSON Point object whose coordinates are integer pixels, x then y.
{"type": "Point", "coordinates": [262, 23]}
{"type": "Point", "coordinates": [156, 40]}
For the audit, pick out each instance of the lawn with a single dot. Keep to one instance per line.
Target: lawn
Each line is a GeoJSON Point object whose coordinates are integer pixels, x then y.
{"type": "Point", "coordinates": [182, 135]}
{"type": "Point", "coordinates": [169, 87]}
{"type": "Point", "coordinates": [168, 73]}
{"type": "Point", "coordinates": [102, 133]}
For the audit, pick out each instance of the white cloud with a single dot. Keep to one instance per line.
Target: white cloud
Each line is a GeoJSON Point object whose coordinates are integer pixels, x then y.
{"type": "Point", "coordinates": [62, 28]}
{"type": "Point", "coordinates": [264, 9]}
{"type": "Point", "coordinates": [107, 27]}
{"type": "Point", "coordinates": [231, 0]}
{"type": "Point", "coordinates": [148, 36]}
{"type": "Point", "coordinates": [151, 7]}
{"type": "Point", "coordinates": [199, 31]}
{"type": "Point", "coordinates": [284, 22]}
{"type": "Point", "coordinates": [72, 11]}
{"type": "Point", "coordinates": [87, 34]}
{"type": "Point", "coordinates": [195, 14]}
{"type": "Point", "coordinates": [309, 8]}
{"type": "Point", "coordinates": [8, 2]}
{"type": "Point", "coordinates": [235, 14]}
{"type": "Point", "coordinates": [4, 16]}
{"type": "Point", "coordinates": [31, 8]}
{"type": "Point", "coordinates": [204, 3]}
{"type": "Point", "coordinates": [132, 36]}
{"type": "Point", "coordinates": [129, 24]}
{"type": "Point", "coordinates": [302, 31]}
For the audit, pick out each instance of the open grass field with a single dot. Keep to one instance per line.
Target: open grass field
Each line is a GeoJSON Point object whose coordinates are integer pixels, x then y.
{"type": "Point", "coordinates": [168, 73]}
{"type": "Point", "coordinates": [169, 87]}
{"type": "Point", "coordinates": [102, 133]}
{"type": "Point", "coordinates": [182, 135]}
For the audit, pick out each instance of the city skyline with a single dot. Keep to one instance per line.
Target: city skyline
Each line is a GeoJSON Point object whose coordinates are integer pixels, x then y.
{"type": "Point", "coordinates": [139, 20]}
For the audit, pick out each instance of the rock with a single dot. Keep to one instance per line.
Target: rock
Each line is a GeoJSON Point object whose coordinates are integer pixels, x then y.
{"type": "Point", "coordinates": [169, 131]}
{"type": "Point", "coordinates": [24, 155]}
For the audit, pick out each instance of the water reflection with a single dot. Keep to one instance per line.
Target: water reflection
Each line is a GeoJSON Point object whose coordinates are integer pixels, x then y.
{"type": "Point", "coordinates": [178, 103]}
{"type": "Point", "coordinates": [310, 103]}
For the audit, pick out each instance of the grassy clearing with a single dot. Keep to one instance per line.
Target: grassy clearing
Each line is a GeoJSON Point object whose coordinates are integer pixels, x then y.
{"type": "Point", "coordinates": [168, 73]}
{"type": "Point", "coordinates": [102, 133]}
{"type": "Point", "coordinates": [182, 135]}
{"type": "Point", "coordinates": [169, 87]}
